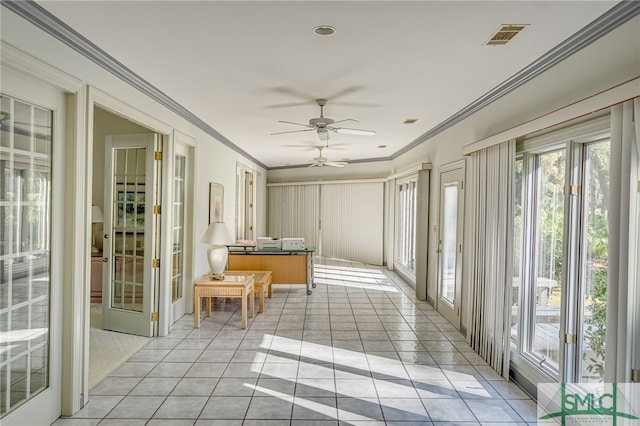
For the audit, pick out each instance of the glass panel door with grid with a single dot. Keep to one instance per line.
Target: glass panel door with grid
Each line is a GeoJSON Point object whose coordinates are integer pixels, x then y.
{"type": "Point", "coordinates": [25, 251]}
{"type": "Point", "coordinates": [128, 246]}
{"type": "Point", "coordinates": [178, 232]}
{"type": "Point", "coordinates": [450, 244]}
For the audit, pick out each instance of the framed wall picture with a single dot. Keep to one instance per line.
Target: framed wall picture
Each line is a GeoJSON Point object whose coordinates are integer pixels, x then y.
{"type": "Point", "coordinates": [216, 202]}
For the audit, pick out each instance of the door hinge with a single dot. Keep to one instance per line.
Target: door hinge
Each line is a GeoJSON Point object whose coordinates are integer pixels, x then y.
{"type": "Point", "coordinates": [250, 183]}
{"type": "Point", "coordinates": [461, 185]}
{"type": "Point", "coordinates": [460, 248]}
{"type": "Point", "coordinates": [156, 209]}
{"type": "Point", "coordinates": [635, 375]}
{"type": "Point", "coordinates": [154, 316]}
{"type": "Point", "coordinates": [251, 228]}
{"type": "Point", "coordinates": [156, 263]}
{"type": "Point", "coordinates": [158, 155]}
{"type": "Point", "coordinates": [250, 205]}
{"type": "Point", "coordinates": [639, 186]}
{"type": "Point", "coordinates": [570, 339]}
{"type": "Point", "coordinates": [575, 190]}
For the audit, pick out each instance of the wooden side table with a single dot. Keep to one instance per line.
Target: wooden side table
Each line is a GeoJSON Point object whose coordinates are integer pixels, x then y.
{"type": "Point", "coordinates": [241, 286]}
{"type": "Point", "coordinates": [262, 280]}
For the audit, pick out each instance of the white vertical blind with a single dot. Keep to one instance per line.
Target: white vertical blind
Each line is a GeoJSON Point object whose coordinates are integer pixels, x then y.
{"type": "Point", "coordinates": [294, 212]}
{"type": "Point", "coordinates": [351, 221]}
{"type": "Point", "coordinates": [491, 254]}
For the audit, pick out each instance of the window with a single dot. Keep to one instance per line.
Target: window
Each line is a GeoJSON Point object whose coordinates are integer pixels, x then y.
{"type": "Point", "coordinates": [406, 201]}
{"type": "Point", "coordinates": [560, 252]}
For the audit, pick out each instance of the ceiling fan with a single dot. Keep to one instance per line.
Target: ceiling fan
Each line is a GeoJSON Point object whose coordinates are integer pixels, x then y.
{"type": "Point", "coordinates": [321, 161]}
{"type": "Point", "coordinates": [323, 125]}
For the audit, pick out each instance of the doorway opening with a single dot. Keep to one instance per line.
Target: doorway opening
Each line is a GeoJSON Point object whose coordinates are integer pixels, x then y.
{"type": "Point", "coordinates": [120, 244]}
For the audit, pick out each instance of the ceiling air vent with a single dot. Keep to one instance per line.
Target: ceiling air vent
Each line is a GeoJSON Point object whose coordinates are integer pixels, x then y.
{"type": "Point", "coordinates": [505, 34]}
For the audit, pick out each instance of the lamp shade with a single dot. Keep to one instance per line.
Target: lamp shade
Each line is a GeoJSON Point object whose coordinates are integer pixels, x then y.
{"type": "Point", "coordinates": [96, 214]}
{"type": "Point", "coordinates": [217, 234]}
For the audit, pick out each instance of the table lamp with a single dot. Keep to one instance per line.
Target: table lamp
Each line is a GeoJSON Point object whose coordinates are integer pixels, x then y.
{"type": "Point", "coordinates": [218, 236]}
{"type": "Point", "coordinates": [96, 217]}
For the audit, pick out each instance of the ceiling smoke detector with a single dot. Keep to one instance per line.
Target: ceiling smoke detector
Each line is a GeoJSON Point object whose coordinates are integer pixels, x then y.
{"type": "Point", "coordinates": [505, 34]}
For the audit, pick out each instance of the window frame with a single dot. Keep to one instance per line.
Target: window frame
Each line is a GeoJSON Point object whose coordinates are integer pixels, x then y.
{"type": "Point", "coordinates": [406, 225]}
{"type": "Point", "coordinates": [573, 139]}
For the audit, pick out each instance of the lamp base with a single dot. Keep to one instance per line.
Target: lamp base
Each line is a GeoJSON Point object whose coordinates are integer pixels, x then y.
{"type": "Point", "coordinates": [217, 277]}
{"type": "Point", "coordinates": [217, 257]}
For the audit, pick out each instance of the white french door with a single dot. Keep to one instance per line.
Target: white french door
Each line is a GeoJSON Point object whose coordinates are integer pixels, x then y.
{"type": "Point", "coordinates": [32, 240]}
{"type": "Point", "coordinates": [130, 234]}
{"type": "Point", "coordinates": [181, 181]}
{"type": "Point", "coordinates": [450, 243]}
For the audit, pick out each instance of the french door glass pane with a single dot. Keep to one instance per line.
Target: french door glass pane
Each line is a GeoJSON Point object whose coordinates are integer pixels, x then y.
{"type": "Point", "coordinates": [178, 228]}
{"type": "Point", "coordinates": [449, 238]}
{"type": "Point", "coordinates": [127, 289]}
{"type": "Point", "coordinates": [25, 247]}
{"type": "Point", "coordinates": [547, 282]}
{"type": "Point", "coordinates": [594, 263]}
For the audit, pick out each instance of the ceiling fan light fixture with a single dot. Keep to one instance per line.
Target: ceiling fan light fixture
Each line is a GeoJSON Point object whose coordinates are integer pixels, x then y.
{"type": "Point", "coordinates": [324, 30]}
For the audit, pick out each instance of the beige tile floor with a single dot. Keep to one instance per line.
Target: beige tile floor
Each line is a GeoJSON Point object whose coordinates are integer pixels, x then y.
{"type": "Point", "coordinates": [361, 350]}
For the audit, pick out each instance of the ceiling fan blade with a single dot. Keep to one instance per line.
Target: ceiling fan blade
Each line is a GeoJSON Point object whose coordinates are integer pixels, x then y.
{"type": "Point", "coordinates": [355, 131]}
{"type": "Point", "coordinates": [313, 165]}
{"type": "Point", "coordinates": [297, 124]}
{"type": "Point", "coordinates": [335, 163]}
{"type": "Point", "coordinates": [291, 131]}
{"type": "Point", "coordinates": [288, 105]}
{"type": "Point", "coordinates": [341, 121]}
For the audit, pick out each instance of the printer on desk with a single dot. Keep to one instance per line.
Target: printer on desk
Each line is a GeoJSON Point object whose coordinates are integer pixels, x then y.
{"type": "Point", "coordinates": [293, 244]}
{"type": "Point", "coordinates": [270, 243]}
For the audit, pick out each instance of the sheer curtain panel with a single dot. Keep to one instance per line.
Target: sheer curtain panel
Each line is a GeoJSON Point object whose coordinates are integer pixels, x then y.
{"type": "Point", "coordinates": [491, 253]}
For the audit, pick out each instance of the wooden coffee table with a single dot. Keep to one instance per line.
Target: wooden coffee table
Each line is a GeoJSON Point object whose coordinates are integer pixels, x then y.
{"type": "Point", "coordinates": [262, 282]}
{"type": "Point", "coordinates": [241, 286]}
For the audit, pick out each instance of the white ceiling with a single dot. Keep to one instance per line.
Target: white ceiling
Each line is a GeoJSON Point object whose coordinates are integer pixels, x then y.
{"type": "Point", "coordinates": [242, 66]}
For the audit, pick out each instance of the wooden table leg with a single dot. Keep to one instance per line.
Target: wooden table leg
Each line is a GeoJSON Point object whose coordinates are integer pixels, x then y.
{"type": "Point", "coordinates": [208, 303]}
{"type": "Point", "coordinates": [252, 299]}
{"type": "Point", "coordinates": [196, 311]}
{"type": "Point", "coordinates": [244, 311]}
{"type": "Point", "coordinates": [261, 299]}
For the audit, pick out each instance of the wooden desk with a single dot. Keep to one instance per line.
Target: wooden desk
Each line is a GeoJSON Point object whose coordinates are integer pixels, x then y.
{"type": "Point", "coordinates": [262, 282]}
{"type": "Point", "coordinates": [231, 286]}
{"type": "Point", "coordinates": [287, 266]}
